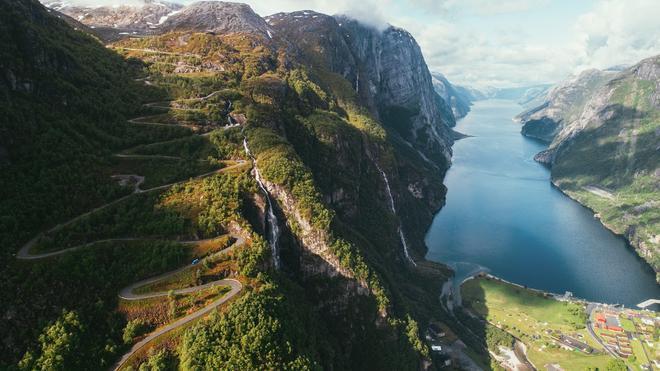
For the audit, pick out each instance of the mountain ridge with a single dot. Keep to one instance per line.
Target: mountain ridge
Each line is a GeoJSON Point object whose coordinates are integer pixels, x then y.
{"type": "Point", "coordinates": [317, 156]}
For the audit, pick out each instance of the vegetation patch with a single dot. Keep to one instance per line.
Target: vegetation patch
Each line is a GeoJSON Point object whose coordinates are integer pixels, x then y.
{"type": "Point", "coordinates": [537, 320]}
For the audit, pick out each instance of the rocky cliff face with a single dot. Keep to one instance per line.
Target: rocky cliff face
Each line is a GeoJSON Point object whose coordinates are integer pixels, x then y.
{"type": "Point", "coordinates": [217, 17]}
{"type": "Point", "coordinates": [604, 150]}
{"type": "Point", "coordinates": [387, 73]}
{"type": "Point", "coordinates": [137, 18]}
{"type": "Point", "coordinates": [385, 68]}
{"type": "Point", "coordinates": [394, 71]}
{"type": "Point", "coordinates": [458, 99]}
{"type": "Point", "coordinates": [562, 104]}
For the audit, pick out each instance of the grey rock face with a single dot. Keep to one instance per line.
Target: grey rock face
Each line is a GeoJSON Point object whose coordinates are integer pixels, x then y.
{"type": "Point", "coordinates": [394, 70]}
{"type": "Point", "coordinates": [217, 16]}
{"type": "Point", "coordinates": [308, 30]}
{"type": "Point", "coordinates": [458, 99]}
{"type": "Point", "coordinates": [563, 104]}
{"type": "Point", "coordinates": [129, 18]}
{"type": "Point", "coordinates": [386, 69]}
{"type": "Point", "coordinates": [649, 70]}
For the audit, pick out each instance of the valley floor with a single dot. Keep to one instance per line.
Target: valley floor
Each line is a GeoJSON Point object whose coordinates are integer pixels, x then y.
{"type": "Point", "coordinates": [561, 331]}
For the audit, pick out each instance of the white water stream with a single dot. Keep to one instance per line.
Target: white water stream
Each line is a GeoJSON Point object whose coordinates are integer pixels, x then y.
{"type": "Point", "coordinates": [271, 218]}
{"type": "Point", "coordinates": [393, 208]}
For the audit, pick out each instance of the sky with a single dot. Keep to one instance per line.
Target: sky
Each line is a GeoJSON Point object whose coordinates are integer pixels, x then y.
{"type": "Point", "coordinates": [503, 43]}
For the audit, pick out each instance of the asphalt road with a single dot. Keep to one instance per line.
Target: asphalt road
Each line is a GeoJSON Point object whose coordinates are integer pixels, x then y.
{"type": "Point", "coordinates": [127, 293]}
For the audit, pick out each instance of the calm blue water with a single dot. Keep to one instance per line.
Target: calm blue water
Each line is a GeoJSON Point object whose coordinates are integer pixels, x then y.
{"type": "Point", "coordinates": [502, 214]}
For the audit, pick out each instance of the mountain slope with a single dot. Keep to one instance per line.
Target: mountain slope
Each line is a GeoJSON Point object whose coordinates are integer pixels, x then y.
{"type": "Point", "coordinates": [138, 18]}
{"type": "Point", "coordinates": [562, 104]}
{"type": "Point", "coordinates": [458, 98]}
{"type": "Point", "coordinates": [606, 154]}
{"type": "Point", "coordinates": [386, 70]}
{"type": "Point", "coordinates": [315, 155]}
{"type": "Point", "coordinates": [215, 16]}
{"type": "Point", "coordinates": [65, 99]}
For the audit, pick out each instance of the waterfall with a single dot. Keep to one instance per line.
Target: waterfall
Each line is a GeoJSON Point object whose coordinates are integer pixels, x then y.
{"type": "Point", "coordinates": [393, 208]}
{"type": "Point", "coordinates": [271, 218]}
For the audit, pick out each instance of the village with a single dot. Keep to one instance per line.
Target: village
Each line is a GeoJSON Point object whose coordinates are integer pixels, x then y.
{"type": "Point", "coordinates": [630, 334]}
{"type": "Point", "coordinates": [557, 332]}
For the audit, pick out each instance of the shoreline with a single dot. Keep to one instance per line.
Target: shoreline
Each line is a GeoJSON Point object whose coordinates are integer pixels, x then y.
{"type": "Point", "coordinates": [547, 294]}
{"type": "Point", "coordinates": [622, 236]}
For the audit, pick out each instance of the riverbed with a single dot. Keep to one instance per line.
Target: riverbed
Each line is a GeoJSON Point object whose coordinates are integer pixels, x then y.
{"type": "Point", "coordinates": [503, 216]}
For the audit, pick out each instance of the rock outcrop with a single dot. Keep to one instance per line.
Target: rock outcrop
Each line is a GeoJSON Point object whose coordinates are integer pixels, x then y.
{"type": "Point", "coordinates": [217, 17]}
{"type": "Point", "coordinates": [562, 104]}
{"type": "Point", "coordinates": [385, 67]}
{"type": "Point", "coordinates": [134, 18]}
{"type": "Point", "coordinates": [394, 71]}
{"type": "Point", "coordinates": [459, 99]}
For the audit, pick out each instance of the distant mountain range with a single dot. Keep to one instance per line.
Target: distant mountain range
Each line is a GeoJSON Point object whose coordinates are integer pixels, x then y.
{"type": "Point", "coordinates": [460, 98]}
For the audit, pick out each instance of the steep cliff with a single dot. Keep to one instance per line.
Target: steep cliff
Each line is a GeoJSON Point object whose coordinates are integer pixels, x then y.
{"type": "Point", "coordinates": [394, 70]}
{"type": "Point", "coordinates": [215, 16]}
{"type": "Point", "coordinates": [333, 128]}
{"type": "Point", "coordinates": [458, 98]}
{"type": "Point", "coordinates": [385, 68]}
{"type": "Point", "coordinates": [561, 105]}
{"type": "Point", "coordinates": [370, 68]}
{"type": "Point", "coordinates": [605, 151]}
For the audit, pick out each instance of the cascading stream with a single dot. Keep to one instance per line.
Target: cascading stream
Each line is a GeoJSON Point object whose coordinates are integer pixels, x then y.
{"type": "Point", "coordinates": [271, 218]}
{"type": "Point", "coordinates": [393, 208]}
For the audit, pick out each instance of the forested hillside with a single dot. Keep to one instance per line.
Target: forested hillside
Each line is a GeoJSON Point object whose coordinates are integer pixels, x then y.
{"type": "Point", "coordinates": [300, 196]}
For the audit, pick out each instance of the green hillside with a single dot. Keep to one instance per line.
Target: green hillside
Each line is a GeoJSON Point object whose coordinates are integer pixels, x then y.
{"type": "Point", "coordinates": [611, 165]}
{"type": "Point", "coordinates": [123, 168]}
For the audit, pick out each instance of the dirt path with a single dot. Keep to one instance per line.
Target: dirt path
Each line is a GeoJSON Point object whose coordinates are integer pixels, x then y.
{"type": "Point", "coordinates": [25, 254]}
{"type": "Point", "coordinates": [162, 157]}
{"type": "Point", "coordinates": [127, 293]}
{"type": "Point", "coordinates": [598, 191]}
{"type": "Point", "coordinates": [235, 286]}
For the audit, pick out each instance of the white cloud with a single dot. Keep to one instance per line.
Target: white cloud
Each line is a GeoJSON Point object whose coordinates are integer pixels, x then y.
{"type": "Point", "coordinates": [481, 7]}
{"type": "Point", "coordinates": [617, 32]}
{"type": "Point", "coordinates": [614, 32]}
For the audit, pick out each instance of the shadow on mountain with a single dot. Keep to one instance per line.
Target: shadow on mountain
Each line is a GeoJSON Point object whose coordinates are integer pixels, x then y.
{"type": "Point", "coordinates": [611, 154]}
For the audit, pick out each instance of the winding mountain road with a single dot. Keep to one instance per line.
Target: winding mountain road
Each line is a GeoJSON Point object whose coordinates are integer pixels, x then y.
{"type": "Point", "coordinates": [127, 293]}
{"type": "Point", "coordinates": [235, 286]}
{"type": "Point", "coordinates": [25, 254]}
{"type": "Point", "coordinates": [160, 157]}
